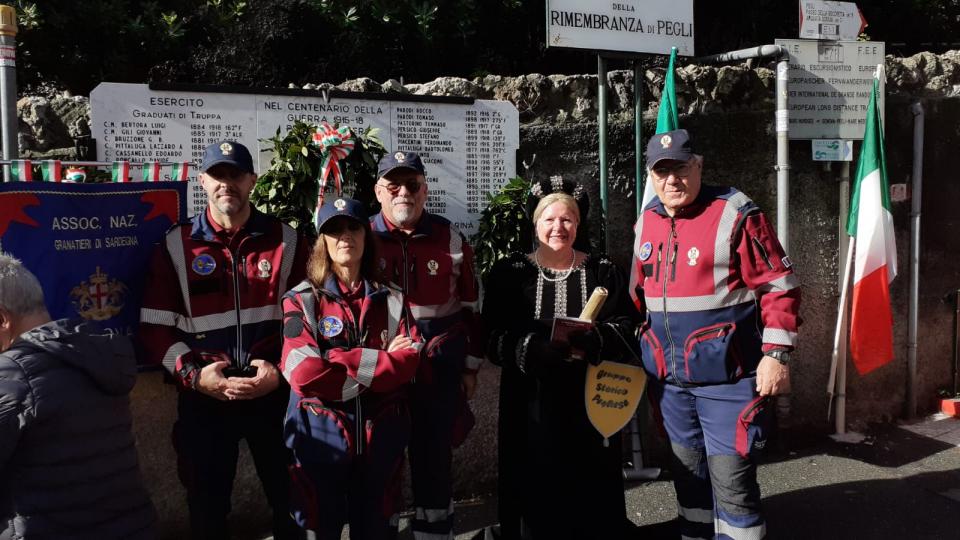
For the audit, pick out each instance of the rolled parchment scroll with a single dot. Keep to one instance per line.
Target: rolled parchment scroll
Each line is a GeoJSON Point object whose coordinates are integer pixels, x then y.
{"type": "Point", "coordinates": [594, 304]}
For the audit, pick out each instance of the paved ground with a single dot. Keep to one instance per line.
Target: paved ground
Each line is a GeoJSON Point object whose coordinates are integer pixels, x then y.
{"type": "Point", "coordinates": [902, 481]}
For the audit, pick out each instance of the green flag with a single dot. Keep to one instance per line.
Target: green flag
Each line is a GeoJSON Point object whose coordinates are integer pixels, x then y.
{"type": "Point", "coordinates": [667, 113]}
{"type": "Point", "coordinates": [667, 119]}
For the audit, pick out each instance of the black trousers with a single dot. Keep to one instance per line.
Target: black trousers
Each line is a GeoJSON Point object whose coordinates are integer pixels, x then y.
{"type": "Point", "coordinates": [206, 437]}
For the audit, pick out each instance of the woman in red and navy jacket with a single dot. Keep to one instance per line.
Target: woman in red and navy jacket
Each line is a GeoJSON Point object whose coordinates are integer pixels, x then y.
{"type": "Point", "coordinates": [347, 354]}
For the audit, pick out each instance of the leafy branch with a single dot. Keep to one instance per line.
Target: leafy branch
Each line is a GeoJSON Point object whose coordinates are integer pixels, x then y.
{"type": "Point", "coordinates": [504, 226]}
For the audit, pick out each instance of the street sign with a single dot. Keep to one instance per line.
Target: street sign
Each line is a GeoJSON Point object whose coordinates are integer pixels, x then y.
{"type": "Point", "coordinates": [634, 26]}
{"type": "Point", "coordinates": [829, 85]}
{"type": "Point", "coordinates": [832, 150]}
{"type": "Point", "coordinates": [830, 20]}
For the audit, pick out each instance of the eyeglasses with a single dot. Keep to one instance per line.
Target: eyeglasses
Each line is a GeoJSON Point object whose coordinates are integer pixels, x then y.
{"type": "Point", "coordinates": [413, 186]}
{"type": "Point", "coordinates": [681, 170]}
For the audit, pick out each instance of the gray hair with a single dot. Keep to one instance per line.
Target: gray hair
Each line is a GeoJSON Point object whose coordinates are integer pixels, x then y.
{"type": "Point", "coordinates": [20, 291]}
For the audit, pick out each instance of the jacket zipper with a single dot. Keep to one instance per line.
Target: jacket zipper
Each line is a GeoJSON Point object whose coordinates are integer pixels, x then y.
{"type": "Point", "coordinates": [354, 338]}
{"type": "Point", "coordinates": [666, 318]}
{"type": "Point", "coordinates": [709, 331]}
{"type": "Point", "coordinates": [763, 252]}
{"type": "Point", "coordinates": [659, 260]}
{"type": "Point", "coordinates": [237, 263]}
{"type": "Point", "coordinates": [673, 262]}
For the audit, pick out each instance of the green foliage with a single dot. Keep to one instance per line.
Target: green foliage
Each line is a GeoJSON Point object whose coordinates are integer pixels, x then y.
{"type": "Point", "coordinates": [290, 188]}
{"type": "Point", "coordinates": [28, 16]}
{"type": "Point", "coordinates": [76, 45]}
{"type": "Point", "coordinates": [504, 226]}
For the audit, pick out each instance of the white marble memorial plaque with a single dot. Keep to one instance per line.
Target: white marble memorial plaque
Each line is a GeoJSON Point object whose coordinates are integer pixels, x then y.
{"type": "Point", "coordinates": [469, 150]}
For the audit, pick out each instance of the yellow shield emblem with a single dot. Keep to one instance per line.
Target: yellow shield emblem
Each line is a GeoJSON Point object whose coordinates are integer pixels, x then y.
{"type": "Point", "coordinates": [612, 393]}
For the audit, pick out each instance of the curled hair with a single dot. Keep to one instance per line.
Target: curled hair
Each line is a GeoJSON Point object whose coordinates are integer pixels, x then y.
{"type": "Point", "coordinates": [20, 291]}
{"type": "Point", "coordinates": [320, 266]}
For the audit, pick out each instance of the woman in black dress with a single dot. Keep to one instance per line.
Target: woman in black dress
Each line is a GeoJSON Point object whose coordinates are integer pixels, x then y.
{"type": "Point", "coordinates": [558, 479]}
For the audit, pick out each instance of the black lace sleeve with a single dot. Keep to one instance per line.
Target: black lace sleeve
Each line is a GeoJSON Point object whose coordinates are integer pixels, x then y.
{"type": "Point", "coordinates": [507, 312]}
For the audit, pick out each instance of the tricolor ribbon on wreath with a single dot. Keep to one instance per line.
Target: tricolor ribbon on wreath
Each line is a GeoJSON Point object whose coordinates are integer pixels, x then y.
{"type": "Point", "coordinates": [335, 144]}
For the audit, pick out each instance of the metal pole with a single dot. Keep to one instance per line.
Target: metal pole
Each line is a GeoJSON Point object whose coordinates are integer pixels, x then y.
{"type": "Point", "coordinates": [602, 131]}
{"type": "Point", "coordinates": [783, 157]}
{"type": "Point", "coordinates": [8, 84]}
{"type": "Point", "coordinates": [742, 54]}
{"type": "Point", "coordinates": [915, 200]}
{"type": "Point", "coordinates": [840, 344]}
{"type": "Point", "coordinates": [956, 345]}
{"type": "Point", "coordinates": [638, 186]}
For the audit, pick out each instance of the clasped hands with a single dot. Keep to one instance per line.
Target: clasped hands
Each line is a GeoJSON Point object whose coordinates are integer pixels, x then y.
{"type": "Point", "coordinates": [215, 384]}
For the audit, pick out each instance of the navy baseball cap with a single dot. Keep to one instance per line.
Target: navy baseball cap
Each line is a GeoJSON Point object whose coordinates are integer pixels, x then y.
{"type": "Point", "coordinates": [341, 206]}
{"type": "Point", "coordinates": [675, 144]}
{"type": "Point", "coordinates": [400, 160]}
{"type": "Point", "coordinates": [229, 152]}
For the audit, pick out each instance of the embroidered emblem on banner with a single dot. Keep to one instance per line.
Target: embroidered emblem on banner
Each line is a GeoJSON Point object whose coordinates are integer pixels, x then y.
{"type": "Point", "coordinates": [645, 250]}
{"type": "Point", "coordinates": [432, 267]}
{"type": "Point", "coordinates": [330, 326]}
{"type": "Point", "coordinates": [204, 265]}
{"type": "Point", "coordinates": [99, 299]}
{"type": "Point", "coordinates": [263, 269]}
{"type": "Point", "coordinates": [692, 255]}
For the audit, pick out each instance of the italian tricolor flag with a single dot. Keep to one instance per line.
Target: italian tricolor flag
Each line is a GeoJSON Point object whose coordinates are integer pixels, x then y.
{"type": "Point", "coordinates": [21, 170]}
{"type": "Point", "coordinates": [120, 171]}
{"type": "Point", "coordinates": [51, 170]}
{"type": "Point", "coordinates": [151, 171]}
{"type": "Point", "coordinates": [180, 171]}
{"type": "Point", "coordinates": [875, 263]}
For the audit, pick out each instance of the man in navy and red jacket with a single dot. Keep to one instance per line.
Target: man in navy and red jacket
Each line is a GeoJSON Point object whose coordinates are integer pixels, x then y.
{"type": "Point", "coordinates": [432, 263]}
{"type": "Point", "coordinates": [721, 303]}
{"type": "Point", "coordinates": [211, 316]}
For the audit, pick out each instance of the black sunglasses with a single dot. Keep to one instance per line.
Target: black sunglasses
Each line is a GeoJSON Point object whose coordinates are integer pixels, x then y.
{"type": "Point", "coordinates": [412, 185]}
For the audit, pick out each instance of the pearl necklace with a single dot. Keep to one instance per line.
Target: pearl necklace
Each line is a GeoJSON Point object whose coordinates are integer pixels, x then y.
{"type": "Point", "coordinates": [561, 275]}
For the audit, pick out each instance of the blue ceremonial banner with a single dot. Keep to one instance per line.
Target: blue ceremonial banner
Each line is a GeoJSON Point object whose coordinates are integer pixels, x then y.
{"type": "Point", "coordinates": [89, 244]}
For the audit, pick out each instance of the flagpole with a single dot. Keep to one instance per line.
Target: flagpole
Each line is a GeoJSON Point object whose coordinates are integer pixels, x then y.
{"type": "Point", "coordinates": [837, 383]}
{"type": "Point", "coordinates": [638, 185]}
{"type": "Point", "coordinates": [602, 140]}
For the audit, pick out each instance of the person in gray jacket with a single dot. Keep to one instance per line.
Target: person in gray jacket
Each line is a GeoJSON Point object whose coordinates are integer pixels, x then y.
{"type": "Point", "coordinates": [68, 464]}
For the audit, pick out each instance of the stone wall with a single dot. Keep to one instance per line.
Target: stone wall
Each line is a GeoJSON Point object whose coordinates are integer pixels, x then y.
{"type": "Point", "coordinates": [730, 111]}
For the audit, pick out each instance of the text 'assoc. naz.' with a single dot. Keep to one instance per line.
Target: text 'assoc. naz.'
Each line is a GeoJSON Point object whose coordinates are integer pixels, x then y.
{"type": "Point", "coordinates": [82, 223]}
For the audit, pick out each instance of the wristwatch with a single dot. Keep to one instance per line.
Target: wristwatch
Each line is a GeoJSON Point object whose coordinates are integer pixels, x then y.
{"type": "Point", "coordinates": [780, 355]}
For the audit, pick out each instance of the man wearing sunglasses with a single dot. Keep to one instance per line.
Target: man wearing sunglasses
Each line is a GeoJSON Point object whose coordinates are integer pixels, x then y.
{"type": "Point", "coordinates": [721, 303]}
{"type": "Point", "coordinates": [430, 260]}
